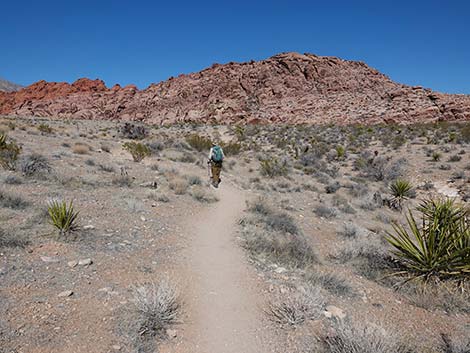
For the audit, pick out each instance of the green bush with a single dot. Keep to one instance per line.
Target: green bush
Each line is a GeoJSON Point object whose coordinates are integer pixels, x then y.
{"type": "Point", "coordinates": [231, 148]}
{"type": "Point", "coordinates": [63, 217]}
{"type": "Point", "coordinates": [45, 128]}
{"type": "Point", "coordinates": [199, 143]}
{"type": "Point", "coordinates": [138, 150]}
{"type": "Point", "coordinates": [340, 152]}
{"type": "Point", "coordinates": [9, 153]}
{"type": "Point", "coordinates": [272, 167]}
{"type": "Point", "coordinates": [440, 246]}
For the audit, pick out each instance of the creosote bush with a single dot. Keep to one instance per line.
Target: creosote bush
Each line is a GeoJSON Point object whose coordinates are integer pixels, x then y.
{"type": "Point", "coordinates": [63, 216]}
{"type": "Point", "coordinates": [274, 167]}
{"type": "Point", "coordinates": [133, 131]}
{"type": "Point", "coordinates": [199, 143]}
{"type": "Point", "coordinates": [9, 153]}
{"type": "Point", "coordinates": [138, 150]}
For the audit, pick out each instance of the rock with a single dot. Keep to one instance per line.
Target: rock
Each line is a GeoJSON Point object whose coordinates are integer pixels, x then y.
{"type": "Point", "coordinates": [287, 88]}
{"type": "Point", "coordinates": [142, 218]}
{"type": "Point", "coordinates": [280, 270]}
{"type": "Point", "coordinates": [88, 227]}
{"type": "Point", "coordinates": [66, 293]}
{"type": "Point", "coordinates": [49, 259]}
{"type": "Point", "coordinates": [333, 311]}
{"type": "Point", "coordinates": [116, 347]}
{"type": "Point", "coordinates": [85, 262]}
{"type": "Point", "coordinates": [72, 263]}
{"type": "Point", "coordinates": [171, 333]}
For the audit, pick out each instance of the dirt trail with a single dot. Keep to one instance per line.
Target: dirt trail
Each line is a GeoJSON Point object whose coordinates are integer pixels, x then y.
{"type": "Point", "coordinates": [224, 300]}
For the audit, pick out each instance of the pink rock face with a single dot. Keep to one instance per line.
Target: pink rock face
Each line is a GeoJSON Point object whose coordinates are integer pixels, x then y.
{"type": "Point", "coordinates": [286, 88]}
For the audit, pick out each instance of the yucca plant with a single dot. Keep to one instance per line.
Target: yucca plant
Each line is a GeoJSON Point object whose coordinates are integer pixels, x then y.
{"type": "Point", "coordinates": [138, 150]}
{"type": "Point", "coordinates": [63, 216]}
{"type": "Point", "coordinates": [401, 190]}
{"type": "Point", "coordinates": [440, 246]}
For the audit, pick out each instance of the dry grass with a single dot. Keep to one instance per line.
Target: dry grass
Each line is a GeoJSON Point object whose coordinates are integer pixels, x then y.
{"type": "Point", "coordinates": [81, 148]}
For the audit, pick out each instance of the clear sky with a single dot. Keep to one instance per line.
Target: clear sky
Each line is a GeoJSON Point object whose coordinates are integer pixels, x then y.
{"type": "Point", "coordinates": [421, 42]}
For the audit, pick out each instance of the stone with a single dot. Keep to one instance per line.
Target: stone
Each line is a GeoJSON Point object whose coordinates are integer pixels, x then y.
{"type": "Point", "coordinates": [171, 333]}
{"type": "Point", "coordinates": [334, 312]}
{"type": "Point", "coordinates": [88, 227]}
{"type": "Point", "coordinates": [72, 263]}
{"type": "Point", "coordinates": [85, 262]}
{"type": "Point", "coordinates": [65, 293]}
{"type": "Point", "coordinates": [49, 259]}
{"type": "Point", "coordinates": [116, 347]}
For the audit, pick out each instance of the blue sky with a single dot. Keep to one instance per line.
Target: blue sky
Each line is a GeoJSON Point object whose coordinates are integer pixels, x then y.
{"type": "Point", "coordinates": [414, 42]}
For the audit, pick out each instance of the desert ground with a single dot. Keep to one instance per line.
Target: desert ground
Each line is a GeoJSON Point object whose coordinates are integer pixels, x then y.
{"type": "Point", "coordinates": [289, 254]}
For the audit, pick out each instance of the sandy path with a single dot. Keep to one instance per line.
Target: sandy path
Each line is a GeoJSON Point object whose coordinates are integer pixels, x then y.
{"type": "Point", "coordinates": [223, 300]}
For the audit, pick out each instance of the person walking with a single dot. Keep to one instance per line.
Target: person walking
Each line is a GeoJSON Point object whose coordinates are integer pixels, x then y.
{"type": "Point", "coordinates": [216, 159]}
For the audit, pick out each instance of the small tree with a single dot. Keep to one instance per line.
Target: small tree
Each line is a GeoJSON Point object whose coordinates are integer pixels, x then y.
{"type": "Point", "coordinates": [9, 152]}
{"type": "Point", "coordinates": [138, 150]}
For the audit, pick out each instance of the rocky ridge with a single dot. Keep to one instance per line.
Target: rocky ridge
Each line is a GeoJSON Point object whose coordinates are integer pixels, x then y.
{"type": "Point", "coordinates": [286, 88]}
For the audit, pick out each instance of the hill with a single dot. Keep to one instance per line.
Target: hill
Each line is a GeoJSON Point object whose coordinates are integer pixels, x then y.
{"type": "Point", "coordinates": [286, 88]}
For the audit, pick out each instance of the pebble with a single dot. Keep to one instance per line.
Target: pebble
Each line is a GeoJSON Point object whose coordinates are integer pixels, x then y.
{"type": "Point", "coordinates": [116, 347]}
{"type": "Point", "coordinates": [85, 262]}
{"type": "Point", "coordinates": [72, 264]}
{"type": "Point", "coordinates": [65, 293]}
{"type": "Point", "coordinates": [171, 333]}
{"type": "Point", "coordinates": [280, 270]}
{"type": "Point", "coordinates": [142, 219]}
{"type": "Point", "coordinates": [89, 226]}
{"type": "Point", "coordinates": [49, 259]}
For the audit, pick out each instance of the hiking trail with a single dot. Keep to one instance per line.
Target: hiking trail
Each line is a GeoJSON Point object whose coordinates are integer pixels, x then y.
{"type": "Point", "coordinates": [224, 301]}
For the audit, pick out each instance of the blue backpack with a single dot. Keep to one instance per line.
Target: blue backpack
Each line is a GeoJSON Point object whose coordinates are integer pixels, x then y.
{"type": "Point", "coordinates": [217, 155]}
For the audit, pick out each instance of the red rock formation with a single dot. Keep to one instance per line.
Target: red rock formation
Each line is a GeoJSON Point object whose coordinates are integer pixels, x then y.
{"type": "Point", "coordinates": [288, 88]}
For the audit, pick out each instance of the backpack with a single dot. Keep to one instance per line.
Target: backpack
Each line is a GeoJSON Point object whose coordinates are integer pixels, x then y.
{"type": "Point", "coordinates": [217, 155]}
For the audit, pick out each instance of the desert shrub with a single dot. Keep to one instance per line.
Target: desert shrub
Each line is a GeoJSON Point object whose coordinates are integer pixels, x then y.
{"type": "Point", "coordinates": [106, 168]}
{"type": "Point", "coordinates": [296, 308]}
{"type": "Point", "coordinates": [194, 180]}
{"type": "Point", "coordinates": [163, 198]}
{"type": "Point", "coordinates": [156, 146]}
{"type": "Point", "coordinates": [11, 201]}
{"type": "Point", "coordinates": [105, 148]}
{"type": "Point", "coordinates": [325, 211]}
{"type": "Point", "coordinates": [137, 150]}
{"type": "Point", "coordinates": [179, 186]}
{"type": "Point", "coordinates": [285, 249]}
{"type": "Point", "coordinates": [260, 207]}
{"type": "Point", "coordinates": [332, 187]}
{"type": "Point", "coordinates": [34, 164]}
{"type": "Point", "coordinates": [13, 180]}
{"type": "Point", "coordinates": [122, 180]}
{"type": "Point", "coordinates": [186, 158]}
{"type": "Point", "coordinates": [330, 282]}
{"type": "Point", "coordinates": [454, 346]}
{"type": "Point", "coordinates": [158, 306]}
{"type": "Point", "coordinates": [340, 152]}
{"type": "Point", "coordinates": [455, 158]}
{"type": "Point", "coordinates": [9, 241]}
{"type": "Point", "coordinates": [133, 131]}
{"type": "Point", "coordinates": [199, 143]}
{"type": "Point", "coordinates": [453, 298]}
{"type": "Point", "coordinates": [273, 167]}
{"type": "Point", "coordinates": [379, 168]}
{"type": "Point", "coordinates": [349, 230]}
{"type": "Point", "coordinates": [440, 246]}
{"type": "Point", "coordinates": [231, 148]}
{"type": "Point", "coordinates": [436, 156]}
{"type": "Point", "coordinates": [401, 190]}
{"type": "Point", "coordinates": [201, 195]}
{"type": "Point", "coordinates": [9, 153]}
{"type": "Point", "coordinates": [45, 128]}
{"type": "Point", "coordinates": [81, 148]}
{"type": "Point", "coordinates": [364, 338]}
{"type": "Point", "coordinates": [62, 216]}
{"type": "Point", "coordinates": [281, 222]}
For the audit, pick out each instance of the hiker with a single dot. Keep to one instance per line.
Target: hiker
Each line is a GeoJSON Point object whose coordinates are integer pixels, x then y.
{"type": "Point", "coordinates": [216, 158]}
